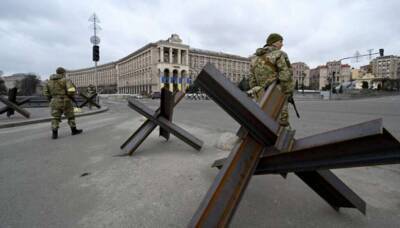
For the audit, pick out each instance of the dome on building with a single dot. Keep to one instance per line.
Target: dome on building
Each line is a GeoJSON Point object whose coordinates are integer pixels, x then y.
{"type": "Point", "coordinates": [174, 39]}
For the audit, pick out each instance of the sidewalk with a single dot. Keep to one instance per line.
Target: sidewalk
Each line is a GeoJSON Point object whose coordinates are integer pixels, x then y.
{"type": "Point", "coordinates": [40, 115]}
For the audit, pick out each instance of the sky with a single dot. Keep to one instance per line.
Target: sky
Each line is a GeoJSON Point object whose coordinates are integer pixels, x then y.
{"type": "Point", "coordinates": [38, 36]}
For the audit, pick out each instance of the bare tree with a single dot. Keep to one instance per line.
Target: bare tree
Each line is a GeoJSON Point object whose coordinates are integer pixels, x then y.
{"type": "Point", "coordinates": [3, 88]}
{"type": "Point", "coordinates": [28, 85]}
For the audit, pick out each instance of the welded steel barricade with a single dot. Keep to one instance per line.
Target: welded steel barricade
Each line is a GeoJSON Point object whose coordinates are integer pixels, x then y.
{"type": "Point", "coordinates": [267, 148]}
{"type": "Point", "coordinates": [12, 104]}
{"type": "Point", "coordinates": [89, 100]}
{"type": "Point", "coordinates": [161, 117]}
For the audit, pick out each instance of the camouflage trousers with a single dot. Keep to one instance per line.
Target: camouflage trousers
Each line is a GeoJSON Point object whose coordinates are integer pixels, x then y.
{"type": "Point", "coordinates": [61, 106]}
{"type": "Point", "coordinates": [284, 115]}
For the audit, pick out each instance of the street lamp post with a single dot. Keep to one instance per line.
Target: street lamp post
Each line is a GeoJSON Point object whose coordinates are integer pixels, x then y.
{"type": "Point", "coordinates": [95, 40]}
{"type": "Point", "coordinates": [332, 80]}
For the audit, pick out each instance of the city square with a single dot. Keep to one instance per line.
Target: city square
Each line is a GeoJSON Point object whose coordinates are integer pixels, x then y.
{"type": "Point", "coordinates": [199, 113]}
{"type": "Point", "coordinates": [83, 181]}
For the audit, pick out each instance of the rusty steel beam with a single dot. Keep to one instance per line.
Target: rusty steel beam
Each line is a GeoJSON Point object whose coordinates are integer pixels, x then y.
{"type": "Point", "coordinates": [166, 124]}
{"type": "Point", "coordinates": [19, 103]}
{"type": "Point", "coordinates": [222, 198]}
{"type": "Point", "coordinates": [12, 97]}
{"type": "Point", "coordinates": [367, 150]}
{"type": "Point", "coordinates": [248, 114]}
{"type": "Point", "coordinates": [377, 149]}
{"type": "Point", "coordinates": [362, 144]}
{"type": "Point", "coordinates": [137, 138]}
{"type": "Point", "coordinates": [323, 182]}
{"type": "Point", "coordinates": [238, 105]}
{"type": "Point", "coordinates": [329, 187]}
{"type": "Point", "coordinates": [220, 202]}
{"type": "Point", "coordinates": [166, 109]}
{"type": "Point", "coordinates": [15, 107]}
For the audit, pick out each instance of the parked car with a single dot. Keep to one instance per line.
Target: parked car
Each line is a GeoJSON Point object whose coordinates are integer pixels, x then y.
{"type": "Point", "coordinates": [156, 95]}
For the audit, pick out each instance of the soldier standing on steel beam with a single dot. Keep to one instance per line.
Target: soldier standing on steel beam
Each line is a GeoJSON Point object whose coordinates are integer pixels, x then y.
{"type": "Point", "coordinates": [60, 91]}
{"type": "Point", "coordinates": [271, 64]}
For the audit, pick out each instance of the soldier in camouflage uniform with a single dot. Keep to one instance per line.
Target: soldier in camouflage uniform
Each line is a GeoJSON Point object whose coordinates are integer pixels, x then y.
{"type": "Point", "coordinates": [91, 89]}
{"type": "Point", "coordinates": [59, 90]}
{"type": "Point", "coordinates": [268, 65]}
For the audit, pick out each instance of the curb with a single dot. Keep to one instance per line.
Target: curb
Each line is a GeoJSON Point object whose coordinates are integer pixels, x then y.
{"type": "Point", "coordinates": [46, 119]}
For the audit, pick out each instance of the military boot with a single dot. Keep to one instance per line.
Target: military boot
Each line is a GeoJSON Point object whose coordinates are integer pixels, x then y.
{"type": "Point", "coordinates": [75, 131]}
{"type": "Point", "coordinates": [55, 134]}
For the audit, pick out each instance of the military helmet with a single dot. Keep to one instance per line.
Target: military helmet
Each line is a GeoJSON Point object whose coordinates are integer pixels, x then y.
{"type": "Point", "coordinates": [60, 70]}
{"type": "Point", "coordinates": [273, 37]}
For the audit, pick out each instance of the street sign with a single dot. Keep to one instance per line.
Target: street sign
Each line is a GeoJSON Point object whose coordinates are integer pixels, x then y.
{"type": "Point", "coordinates": [95, 40]}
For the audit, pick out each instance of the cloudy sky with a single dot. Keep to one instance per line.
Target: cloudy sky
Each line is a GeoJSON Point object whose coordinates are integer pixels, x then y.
{"type": "Point", "coordinates": [37, 36]}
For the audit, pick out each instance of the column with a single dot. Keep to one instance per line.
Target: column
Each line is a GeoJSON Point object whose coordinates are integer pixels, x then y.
{"type": "Point", "coordinates": [187, 57]}
{"type": "Point", "coordinates": [161, 54]}
{"type": "Point", "coordinates": [170, 55]}
{"type": "Point", "coordinates": [179, 56]}
{"type": "Point", "coordinates": [178, 76]}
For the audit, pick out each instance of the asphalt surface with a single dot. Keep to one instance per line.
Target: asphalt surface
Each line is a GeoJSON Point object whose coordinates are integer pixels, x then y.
{"type": "Point", "coordinates": [81, 181]}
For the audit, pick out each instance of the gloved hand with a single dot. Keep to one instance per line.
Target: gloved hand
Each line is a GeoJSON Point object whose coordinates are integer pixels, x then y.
{"type": "Point", "coordinates": [289, 96]}
{"type": "Point", "coordinates": [253, 91]}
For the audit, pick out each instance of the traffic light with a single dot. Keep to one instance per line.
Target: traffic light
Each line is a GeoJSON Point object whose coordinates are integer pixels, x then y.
{"type": "Point", "coordinates": [96, 53]}
{"type": "Point", "coordinates": [381, 51]}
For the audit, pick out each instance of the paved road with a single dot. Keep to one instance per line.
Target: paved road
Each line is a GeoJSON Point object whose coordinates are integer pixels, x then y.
{"type": "Point", "coordinates": [163, 183]}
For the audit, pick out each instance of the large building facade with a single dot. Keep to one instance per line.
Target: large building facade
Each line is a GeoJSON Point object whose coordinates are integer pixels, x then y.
{"type": "Point", "coordinates": [166, 62]}
{"type": "Point", "coordinates": [333, 71]}
{"type": "Point", "coordinates": [301, 74]}
{"type": "Point", "coordinates": [318, 77]}
{"type": "Point", "coordinates": [386, 67]}
{"type": "Point", "coordinates": [339, 72]}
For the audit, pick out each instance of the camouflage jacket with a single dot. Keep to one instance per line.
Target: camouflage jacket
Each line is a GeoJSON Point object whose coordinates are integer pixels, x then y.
{"type": "Point", "coordinates": [268, 65]}
{"type": "Point", "coordinates": [59, 86]}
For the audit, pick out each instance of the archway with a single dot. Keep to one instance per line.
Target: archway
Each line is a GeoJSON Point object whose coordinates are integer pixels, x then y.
{"type": "Point", "coordinates": [165, 78]}
{"type": "Point", "coordinates": [175, 80]}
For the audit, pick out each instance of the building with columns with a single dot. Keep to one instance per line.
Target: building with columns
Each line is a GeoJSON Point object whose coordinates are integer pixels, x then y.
{"type": "Point", "coordinates": [166, 62]}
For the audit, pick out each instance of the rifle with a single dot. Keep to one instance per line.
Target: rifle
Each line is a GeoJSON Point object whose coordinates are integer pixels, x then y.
{"type": "Point", "coordinates": [72, 99]}
{"type": "Point", "coordinates": [291, 101]}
